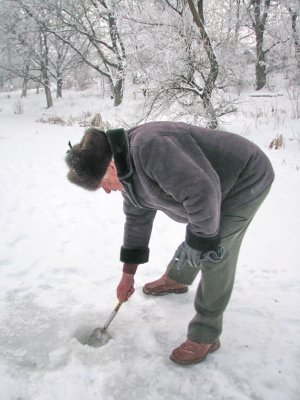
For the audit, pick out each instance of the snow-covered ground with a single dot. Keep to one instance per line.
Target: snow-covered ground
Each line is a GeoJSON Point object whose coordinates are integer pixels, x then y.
{"type": "Point", "coordinates": [59, 266]}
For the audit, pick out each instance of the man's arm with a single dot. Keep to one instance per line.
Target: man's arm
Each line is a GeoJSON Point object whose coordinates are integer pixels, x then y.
{"type": "Point", "coordinates": [137, 232]}
{"type": "Point", "coordinates": [135, 250]}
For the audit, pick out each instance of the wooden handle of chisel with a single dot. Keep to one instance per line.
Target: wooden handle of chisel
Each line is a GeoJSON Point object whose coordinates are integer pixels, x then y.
{"type": "Point", "coordinates": [112, 315]}
{"type": "Point", "coordinates": [118, 306]}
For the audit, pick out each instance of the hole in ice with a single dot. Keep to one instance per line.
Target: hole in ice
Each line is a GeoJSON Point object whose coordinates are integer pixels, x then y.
{"type": "Point", "coordinates": [95, 337]}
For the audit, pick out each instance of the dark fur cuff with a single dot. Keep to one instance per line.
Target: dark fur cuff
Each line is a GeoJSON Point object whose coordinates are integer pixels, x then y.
{"type": "Point", "coordinates": [134, 256]}
{"type": "Point", "coordinates": [203, 244]}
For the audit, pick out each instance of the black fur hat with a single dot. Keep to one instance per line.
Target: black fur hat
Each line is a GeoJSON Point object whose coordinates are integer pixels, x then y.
{"type": "Point", "coordinates": [89, 159]}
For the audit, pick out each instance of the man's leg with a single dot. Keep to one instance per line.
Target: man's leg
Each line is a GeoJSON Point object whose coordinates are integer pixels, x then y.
{"type": "Point", "coordinates": [216, 283]}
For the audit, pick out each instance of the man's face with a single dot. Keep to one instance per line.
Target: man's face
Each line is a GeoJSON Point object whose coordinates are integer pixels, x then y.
{"type": "Point", "coordinates": [110, 181]}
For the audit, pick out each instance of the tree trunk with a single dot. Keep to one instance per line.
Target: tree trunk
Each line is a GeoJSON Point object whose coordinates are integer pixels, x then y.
{"type": "Point", "coordinates": [237, 22]}
{"type": "Point", "coordinates": [25, 81]}
{"type": "Point", "coordinates": [118, 92]}
{"type": "Point", "coordinates": [200, 11]}
{"type": "Point", "coordinates": [44, 67]}
{"type": "Point", "coordinates": [209, 108]}
{"type": "Point", "coordinates": [259, 24]}
{"type": "Point", "coordinates": [59, 84]}
{"type": "Point", "coordinates": [214, 67]}
{"type": "Point", "coordinates": [261, 73]}
{"type": "Point", "coordinates": [296, 37]}
{"type": "Point", "coordinates": [59, 77]}
{"type": "Point", "coordinates": [260, 65]}
{"type": "Point", "coordinates": [45, 80]}
{"type": "Point", "coordinates": [24, 88]}
{"type": "Point", "coordinates": [48, 97]}
{"type": "Point", "coordinates": [120, 53]}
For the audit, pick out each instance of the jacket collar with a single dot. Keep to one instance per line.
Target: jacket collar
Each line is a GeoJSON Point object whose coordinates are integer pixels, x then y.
{"type": "Point", "coordinates": [119, 144]}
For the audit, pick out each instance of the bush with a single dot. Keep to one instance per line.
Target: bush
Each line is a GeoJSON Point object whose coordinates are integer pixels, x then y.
{"type": "Point", "coordinates": [84, 120]}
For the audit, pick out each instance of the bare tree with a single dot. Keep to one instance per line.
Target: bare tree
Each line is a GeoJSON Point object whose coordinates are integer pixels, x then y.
{"type": "Point", "coordinates": [26, 77]}
{"type": "Point", "coordinates": [63, 59]}
{"type": "Point", "coordinates": [177, 60]}
{"type": "Point", "coordinates": [182, 54]}
{"type": "Point", "coordinates": [258, 13]}
{"type": "Point", "coordinates": [95, 22]}
{"type": "Point", "coordinates": [210, 79]}
{"type": "Point", "coordinates": [43, 55]}
{"type": "Point", "coordinates": [43, 62]}
{"type": "Point", "coordinates": [29, 44]}
{"type": "Point", "coordinates": [294, 13]}
{"type": "Point", "coordinates": [237, 22]}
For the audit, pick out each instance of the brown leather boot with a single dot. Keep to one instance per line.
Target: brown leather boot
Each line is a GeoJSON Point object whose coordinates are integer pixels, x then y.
{"type": "Point", "coordinates": [191, 352]}
{"type": "Point", "coordinates": [164, 285]}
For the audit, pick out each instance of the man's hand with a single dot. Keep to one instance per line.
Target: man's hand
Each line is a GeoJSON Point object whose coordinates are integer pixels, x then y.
{"type": "Point", "coordinates": [184, 254]}
{"type": "Point", "coordinates": [126, 287]}
{"type": "Point", "coordinates": [185, 265]}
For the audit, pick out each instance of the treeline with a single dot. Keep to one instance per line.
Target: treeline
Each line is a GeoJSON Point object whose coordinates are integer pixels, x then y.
{"type": "Point", "coordinates": [182, 52]}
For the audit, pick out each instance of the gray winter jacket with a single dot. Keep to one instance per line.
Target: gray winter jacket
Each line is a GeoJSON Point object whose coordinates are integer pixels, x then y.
{"type": "Point", "coordinates": [190, 173]}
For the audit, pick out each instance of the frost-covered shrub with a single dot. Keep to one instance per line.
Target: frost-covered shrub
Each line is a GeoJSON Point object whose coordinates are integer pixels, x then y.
{"type": "Point", "coordinates": [85, 120]}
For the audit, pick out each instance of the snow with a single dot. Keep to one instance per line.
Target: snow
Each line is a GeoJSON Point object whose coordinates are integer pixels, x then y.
{"type": "Point", "coordinates": [60, 267]}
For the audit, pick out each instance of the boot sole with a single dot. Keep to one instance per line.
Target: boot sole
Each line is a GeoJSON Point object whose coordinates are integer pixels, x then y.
{"type": "Point", "coordinates": [213, 348]}
{"type": "Point", "coordinates": [165, 292]}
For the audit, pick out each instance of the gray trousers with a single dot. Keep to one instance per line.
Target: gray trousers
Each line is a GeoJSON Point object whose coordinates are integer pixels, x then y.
{"type": "Point", "coordinates": [217, 277]}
